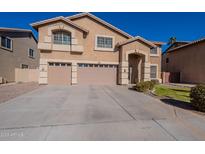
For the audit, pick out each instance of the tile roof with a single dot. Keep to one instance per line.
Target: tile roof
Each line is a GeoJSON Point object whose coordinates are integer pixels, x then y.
{"type": "Point", "coordinates": [188, 44]}
{"type": "Point", "coordinates": [15, 29]}
{"type": "Point", "coordinates": [6, 29]}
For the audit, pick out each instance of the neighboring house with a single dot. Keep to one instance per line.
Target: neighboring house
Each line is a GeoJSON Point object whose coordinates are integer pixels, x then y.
{"type": "Point", "coordinates": [83, 49]}
{"type": "Point", "coordinates": [18, 49]}
{"type": "Point", "coordinates": [176, 44]}
{"type": "Point", "coordinates": [186, 59]}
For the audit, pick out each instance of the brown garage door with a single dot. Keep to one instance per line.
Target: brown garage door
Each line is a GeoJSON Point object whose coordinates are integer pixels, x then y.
{"type": "Point", "coordinates": [59, 74]}
{"type": "Point", "coordinates": [97, 74]}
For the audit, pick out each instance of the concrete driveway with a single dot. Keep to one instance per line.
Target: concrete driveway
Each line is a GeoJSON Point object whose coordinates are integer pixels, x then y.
{"type": "Point", "coordinates": [95, 113]}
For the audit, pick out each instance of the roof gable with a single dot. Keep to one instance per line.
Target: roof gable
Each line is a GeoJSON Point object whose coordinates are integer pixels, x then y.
{"type": "Point", "coordinates": [106, 24]}
{"type": "Point", "coordinates": [149, 43]}
{"type": "Point", "coordinates": [60, 18]}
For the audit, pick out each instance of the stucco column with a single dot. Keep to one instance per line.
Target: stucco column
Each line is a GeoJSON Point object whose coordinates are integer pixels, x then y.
{"type": "Point", "coordinates": [43, 72]}
{"type": "Point", "coordinates": [146, 71]}
{"type": "Point", "coordinates": [139, 69]}
{"type": "Point", "coordinates": [123, 73]}
{"type": "Point", "coordinates": [74, 73]}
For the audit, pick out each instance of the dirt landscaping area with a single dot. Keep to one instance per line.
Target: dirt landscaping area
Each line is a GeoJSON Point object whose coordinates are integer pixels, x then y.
{"type": "Point", "coordinates": [13, 90]}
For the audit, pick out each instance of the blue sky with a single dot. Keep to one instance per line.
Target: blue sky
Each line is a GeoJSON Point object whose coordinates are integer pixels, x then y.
{"type": "Point", "coordinates": [152, 26]}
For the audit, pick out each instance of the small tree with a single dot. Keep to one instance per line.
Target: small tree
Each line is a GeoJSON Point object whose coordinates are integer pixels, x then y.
{"type": "Point", "coordinates": [172, 40]}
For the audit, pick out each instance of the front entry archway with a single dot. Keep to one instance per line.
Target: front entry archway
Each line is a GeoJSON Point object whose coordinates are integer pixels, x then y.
{"type": "Point", "coordinates": [135, 68]}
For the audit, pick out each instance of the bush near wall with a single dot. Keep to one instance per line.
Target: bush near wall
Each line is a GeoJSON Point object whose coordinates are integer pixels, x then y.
{"type": "Point", "coordinates": [198, 97]}
{"type": "Point", "coordinates": [155, 81]}
{"type": "Point", "coordinates": [145, 86]}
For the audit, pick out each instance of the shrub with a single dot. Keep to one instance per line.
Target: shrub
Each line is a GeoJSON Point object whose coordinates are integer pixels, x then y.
{"type": "Point", "coordinates": [197, 96]}
{"type": "Point", "coordinates": [155, 81]}
{"type": "Point", "coordinates": [151, 85]}
{"type": "Point", "coordinates": [144, 86]}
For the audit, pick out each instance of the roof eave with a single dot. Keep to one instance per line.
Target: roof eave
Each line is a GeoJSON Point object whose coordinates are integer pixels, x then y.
{"type": "Point", "coordinates": [101, 21]}
{"type": "Point", "coordinates": [15, 29]}
{"type": "Point", "coordinates": [158, 43]}
{"type": "Point", "coordinates": [19, 30]}
{"type": "Point", "coordinates": [135, 39]}
{"type": "Point", "coordinates": [189, 44]}
{"type": "Point", "coordinates": [36, 25]}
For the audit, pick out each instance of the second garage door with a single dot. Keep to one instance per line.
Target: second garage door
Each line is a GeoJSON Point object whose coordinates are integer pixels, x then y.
{"type": "Point", "coordinates": [59, 74]}
{"type": "Point", "coordinates": [97, 74]}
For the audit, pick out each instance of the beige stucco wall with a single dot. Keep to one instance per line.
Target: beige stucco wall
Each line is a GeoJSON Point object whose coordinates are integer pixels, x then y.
{"type": "Point", "coordinates": [9, 60]}
{"type": "Point", "coordinates": [88, 43]}
{"type": "Point", "coordinates": [189, 61]}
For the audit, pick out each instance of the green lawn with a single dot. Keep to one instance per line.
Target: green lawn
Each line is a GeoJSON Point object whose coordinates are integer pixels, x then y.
{"type": "Point", "coordinates": [176, 93]}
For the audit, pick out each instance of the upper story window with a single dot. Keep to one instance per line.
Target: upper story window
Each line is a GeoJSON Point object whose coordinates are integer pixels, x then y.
{"type": "Point", "coordinates": [62, 37]}
{"type": "Point", "coordinates": [6, 42]}
{"type": "Point", "coordinates": [104, 42]}
{"type": "Point", "coordinates": [31, 53]}
{"type": "Point", "coordinates": [153, 51]}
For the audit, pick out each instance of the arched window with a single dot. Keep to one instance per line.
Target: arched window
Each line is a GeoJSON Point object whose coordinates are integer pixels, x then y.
{"type": "Point", "coordinates": [62, 37]}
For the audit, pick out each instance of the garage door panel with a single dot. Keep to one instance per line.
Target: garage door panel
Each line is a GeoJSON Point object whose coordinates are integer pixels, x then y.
{"type": "Point", "coordinates": [97, 76]}
{"type": "Point", "coordinates": [59, 75]}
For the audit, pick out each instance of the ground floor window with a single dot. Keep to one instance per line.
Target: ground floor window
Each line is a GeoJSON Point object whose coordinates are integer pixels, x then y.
{"type": "Point", "coordinates": [31, 53]}
{"type": "Point", "coordinates": [59, 64]}
{"type": "Point", "coordinates": [24, 66]}
{"type": "Point", "coordinates": [97, 65]}
{"type": "Point", "coordinates": [153, 71]}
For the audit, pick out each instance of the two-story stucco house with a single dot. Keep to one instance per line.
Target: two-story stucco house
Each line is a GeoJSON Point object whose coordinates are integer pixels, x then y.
{"type": "Point", "coordinates": [18, 49]}
{"type": "Point", "coordinates": [84, 49]}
